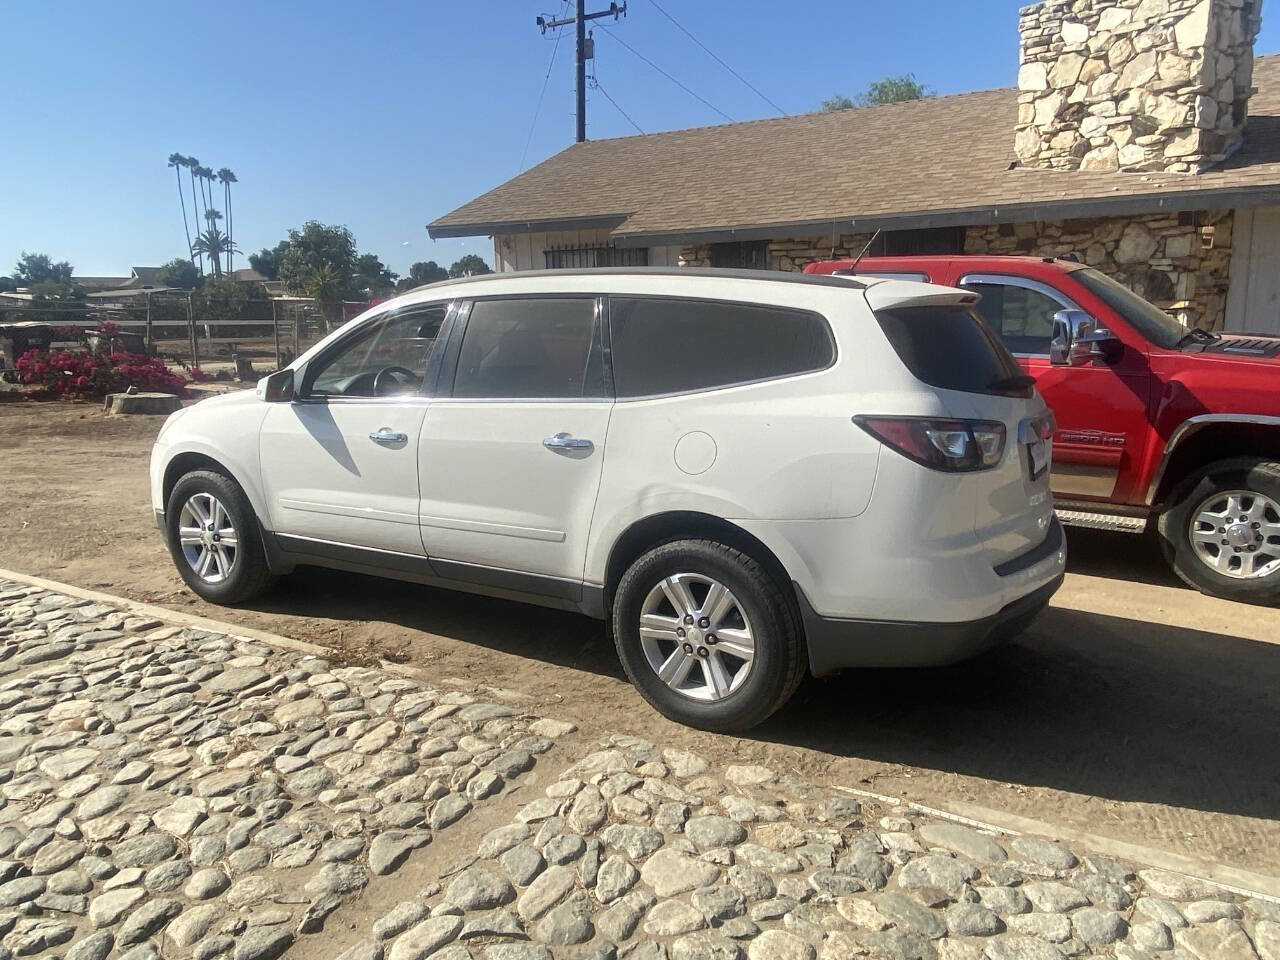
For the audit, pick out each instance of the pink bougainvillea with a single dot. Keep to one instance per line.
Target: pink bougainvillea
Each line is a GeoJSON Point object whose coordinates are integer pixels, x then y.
{"type": "Point", "coordinates": [65, 373]}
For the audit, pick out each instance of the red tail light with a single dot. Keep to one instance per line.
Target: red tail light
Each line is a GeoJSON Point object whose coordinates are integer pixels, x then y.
{"type": "Point", "coordinates": [956, 446]}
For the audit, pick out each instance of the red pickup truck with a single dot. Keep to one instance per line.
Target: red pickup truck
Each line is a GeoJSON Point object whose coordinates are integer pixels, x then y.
{"type": "Point", "coordinates": [1159, 427]}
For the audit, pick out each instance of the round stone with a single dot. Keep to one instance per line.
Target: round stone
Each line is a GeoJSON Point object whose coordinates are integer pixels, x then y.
{"type": "Point", "coordinates": [780, 945]}
{"type": "Point", "coordinates": [714, 831]}
{"type": "Point", "coordinates": [479, 888]}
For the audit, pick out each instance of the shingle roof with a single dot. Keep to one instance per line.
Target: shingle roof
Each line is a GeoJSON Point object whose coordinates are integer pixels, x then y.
{"type": "Point", "coordinates": [943, 161]}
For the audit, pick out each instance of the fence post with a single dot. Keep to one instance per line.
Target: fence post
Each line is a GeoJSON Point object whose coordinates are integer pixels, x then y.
{"type": "Point", "coordinates": [150, 345]}
{"type": "Point", "coordinates": [275, 329]}
{"type": "Point", "coordinates": [191, 327]}
{"type": "Point", "coordinates": [296, 323]}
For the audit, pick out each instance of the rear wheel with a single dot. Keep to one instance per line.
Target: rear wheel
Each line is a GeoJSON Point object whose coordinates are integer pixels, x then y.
{"type": "Point", "coordinates": [214, 538]}
{"type": "Point", "coordinates": [1222, 534]}
{"type": "Point", "coordinates": [707, 635]}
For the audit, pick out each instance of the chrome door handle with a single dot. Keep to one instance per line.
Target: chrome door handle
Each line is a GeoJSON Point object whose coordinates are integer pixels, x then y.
{"type": "Point", "coordinates": [388, 436]}
{"type": "Point", "coordinates": [562, 441]}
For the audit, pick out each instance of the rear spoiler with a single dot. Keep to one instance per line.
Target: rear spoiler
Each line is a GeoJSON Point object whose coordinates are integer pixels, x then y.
{"type": "Point", "coordinates": [888, 294]}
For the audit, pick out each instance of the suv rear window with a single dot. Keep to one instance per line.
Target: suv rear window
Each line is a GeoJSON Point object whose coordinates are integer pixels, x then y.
{"type": "Point", "coordinates": [950, 347]}
{"type": "Point", "coordinates": [664, 345]}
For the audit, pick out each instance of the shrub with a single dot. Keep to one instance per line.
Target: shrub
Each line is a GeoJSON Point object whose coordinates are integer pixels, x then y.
{"type": "Point", "coordinates": [68, 374]}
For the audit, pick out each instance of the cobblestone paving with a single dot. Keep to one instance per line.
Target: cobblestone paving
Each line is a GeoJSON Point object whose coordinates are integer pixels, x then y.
{"type": "Point", "coordinates": [172, 792]}
{"type": "Point", "coordinates": [168, 792]}
{"type": "Point", "coordinates": [649, 853]}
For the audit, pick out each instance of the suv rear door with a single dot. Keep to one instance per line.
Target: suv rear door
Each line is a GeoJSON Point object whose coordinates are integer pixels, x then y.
{"type": "Point", "coordinates": [1101, 408]}
{"type": "Point", "coordinates": [513, 442]}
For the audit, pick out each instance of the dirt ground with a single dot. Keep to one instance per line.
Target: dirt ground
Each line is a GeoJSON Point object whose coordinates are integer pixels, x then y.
{"type": "Point", "coordinates": [1133, 708]}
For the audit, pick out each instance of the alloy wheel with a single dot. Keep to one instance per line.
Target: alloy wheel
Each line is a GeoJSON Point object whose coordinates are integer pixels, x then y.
{"type": "Point", "coordinates": [1236, 533]}
{"type": "Point", "coordinates": [209, 539]}
{"type": "Point", "coordinates": [696, 637]}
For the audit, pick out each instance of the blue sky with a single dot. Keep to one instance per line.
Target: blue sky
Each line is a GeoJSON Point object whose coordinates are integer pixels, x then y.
{"type": "Point", "coordinates": [384, 115]}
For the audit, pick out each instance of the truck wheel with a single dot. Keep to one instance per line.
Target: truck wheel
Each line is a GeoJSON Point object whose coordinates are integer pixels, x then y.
{"type": "Point", "coordinates": [1222, 533]}
{"type": "Point", "coordinates": [707, 635]}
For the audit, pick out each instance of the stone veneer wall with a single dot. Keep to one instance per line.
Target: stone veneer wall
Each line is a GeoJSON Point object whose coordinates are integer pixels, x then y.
{"type": "Point", "coordinates": [1134, 84]}
{"type": "Point", "coordinates": [1161, 258]}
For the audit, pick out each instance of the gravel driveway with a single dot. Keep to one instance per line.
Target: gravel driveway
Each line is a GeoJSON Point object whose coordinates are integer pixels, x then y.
{"type": "Point", "coordinates": [167, 791]}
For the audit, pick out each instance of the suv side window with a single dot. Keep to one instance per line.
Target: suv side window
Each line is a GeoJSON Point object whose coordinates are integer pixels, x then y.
{"type": "Point", "coordinates": [664, 345]}
{"type": "Point", "coordinates": [1020, 314]}
{"type": "Point", "coordinates": [387, 358]}
{"type": "Point", "coordinates": [528, 348]}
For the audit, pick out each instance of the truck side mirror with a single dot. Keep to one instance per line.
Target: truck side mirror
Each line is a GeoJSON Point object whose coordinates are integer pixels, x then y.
{"type": "Point", "coordinates": [1078, 340]}
{"type": "Point", "coordinates": [276, 388]}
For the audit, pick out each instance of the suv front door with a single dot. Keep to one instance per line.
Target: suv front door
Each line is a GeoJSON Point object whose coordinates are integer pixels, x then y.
{"type": "Point", "coordinates": [339, 463]}
{"type": "Point", "coordinates": [1101, 408]}
{"type": "Point", "coordinates": [513, 444]}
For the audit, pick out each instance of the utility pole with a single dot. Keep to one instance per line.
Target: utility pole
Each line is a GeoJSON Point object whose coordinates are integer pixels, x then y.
{"type": "Point", "coordinates": [585, 49]}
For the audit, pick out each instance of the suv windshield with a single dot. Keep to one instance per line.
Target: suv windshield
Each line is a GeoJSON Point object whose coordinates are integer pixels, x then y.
{"type": "Point", "coordinates": [1148, 319]}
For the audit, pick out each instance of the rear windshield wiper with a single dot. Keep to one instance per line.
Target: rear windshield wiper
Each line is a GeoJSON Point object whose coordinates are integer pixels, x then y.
{"type": "Point", "coordinates": [1019, 381]}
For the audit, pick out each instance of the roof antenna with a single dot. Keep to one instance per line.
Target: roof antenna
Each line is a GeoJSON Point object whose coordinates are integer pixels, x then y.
{"type": "Point", "coordinates": [853, 267]}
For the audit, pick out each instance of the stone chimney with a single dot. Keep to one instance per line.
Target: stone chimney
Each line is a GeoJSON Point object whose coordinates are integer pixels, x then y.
{"type": "Point", "coordinates": [1134, 84]}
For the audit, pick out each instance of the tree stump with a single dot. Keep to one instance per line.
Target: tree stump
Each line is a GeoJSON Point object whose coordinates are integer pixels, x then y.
{"type": "Point", "coordinates": [148, 403]}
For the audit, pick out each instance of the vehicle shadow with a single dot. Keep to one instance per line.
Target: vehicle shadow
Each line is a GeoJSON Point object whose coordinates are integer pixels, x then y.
{"type": "Point", "coordinates": [1087, 703]}
{"type": "Point", "coordinates": [1119, 556]}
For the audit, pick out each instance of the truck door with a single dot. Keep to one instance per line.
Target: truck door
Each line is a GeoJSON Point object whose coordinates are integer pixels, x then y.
{"type": "Point", "coordinates": [1101, 409]}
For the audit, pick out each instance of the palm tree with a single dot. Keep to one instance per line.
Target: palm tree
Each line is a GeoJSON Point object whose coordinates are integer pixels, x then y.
{"type": "Point", "coordinates": [213, 243]}
{"type": "Point", "coordinates": [177, 160]}
{"type": "Point", "coordinates": [326, 286]}
{"type": "Point", "coordinates": [192, 165]}
{"type": "Point", "coordinates": [227, 178]}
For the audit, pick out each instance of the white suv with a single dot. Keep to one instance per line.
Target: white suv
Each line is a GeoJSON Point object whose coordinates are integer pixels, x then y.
{"type": "Point", "coordinates": [746, 473]}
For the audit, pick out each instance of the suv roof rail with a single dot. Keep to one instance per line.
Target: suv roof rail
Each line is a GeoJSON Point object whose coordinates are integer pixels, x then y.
{"type": "Point", "coordinates": [721, 273]}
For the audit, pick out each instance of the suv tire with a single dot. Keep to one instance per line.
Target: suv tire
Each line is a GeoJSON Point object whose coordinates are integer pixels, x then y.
{"type": "Point", "coordinates": [234, 564]}
{"type": "Point", "coordinates": [707, 684]}
{"type": "Point", "coordinates": [1252, 486]}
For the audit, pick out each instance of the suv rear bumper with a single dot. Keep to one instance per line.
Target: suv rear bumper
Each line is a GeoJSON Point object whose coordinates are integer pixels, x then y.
{"type": "Point", "coordinates": [838, 643]}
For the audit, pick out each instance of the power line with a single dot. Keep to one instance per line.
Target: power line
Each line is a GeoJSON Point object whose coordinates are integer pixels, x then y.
{"type": "Point", "coordinates": [596, 81]}
{"type": "Point", "coordinates": [695, 96]}
{"type": "Point", "coordinates": [708, 52]}
{"type": "Point", "coordinates": [545, 80]}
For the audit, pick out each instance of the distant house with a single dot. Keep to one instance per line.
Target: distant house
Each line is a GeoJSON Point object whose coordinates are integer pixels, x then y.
{"type": "Point", "coordinates": [1135, 140]}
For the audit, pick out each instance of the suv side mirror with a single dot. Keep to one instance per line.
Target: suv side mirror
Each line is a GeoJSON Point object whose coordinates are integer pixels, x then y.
{"type": "Point", "coordinates": [1078, 340]}
{"type": "Point", "coordinates": [276, 388]}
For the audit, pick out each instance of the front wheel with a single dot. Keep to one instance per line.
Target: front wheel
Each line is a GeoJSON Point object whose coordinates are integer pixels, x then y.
{"type": "Point", "coordinates": [707, 635]}
{"type": "Point", "coordinates": [1222, 534]}
{"type": "Point", "coordinates": [214, 538]}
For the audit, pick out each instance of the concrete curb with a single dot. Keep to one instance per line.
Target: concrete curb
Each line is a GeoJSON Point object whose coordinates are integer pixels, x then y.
{"type": "Point", "coordinates": [1234, 879]}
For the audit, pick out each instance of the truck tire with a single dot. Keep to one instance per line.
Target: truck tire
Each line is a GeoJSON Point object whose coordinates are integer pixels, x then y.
{"type": "Point", "coordinates": [1221, 533]}
{"type": "Point", "coordinates": [707, 635]}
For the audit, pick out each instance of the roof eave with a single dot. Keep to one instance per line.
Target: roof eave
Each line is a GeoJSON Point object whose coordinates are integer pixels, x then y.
{"type": "Point", "coordinates": [439, 230]}
{"type": "Point", "coordinates": [1075, 208]}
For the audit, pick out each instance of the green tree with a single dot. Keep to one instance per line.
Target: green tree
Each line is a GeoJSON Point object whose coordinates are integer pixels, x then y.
{"type": "Point", "coordinates": [178, 273]}
{"type": "Point", "coordinates": [221, 299]}
{"type": "Point", "coordinates": [36, 268]}
{"type": "Point", "coordinates": [422, 273]}
{"type": "Point", "coordinates": [7, 284]}
{"type": "Point", "coordinates": [374, 277]}
{"type": "Point", "coordinates": [320, 262]}
{"type": "Point", "coordinates": [267, 260]}
{"type": "Point", "coordinates": [894, 89]}
{"type": "Point", "coordinates": [192, 165]}
{"type": "Point", "coordinates": [471, 265]}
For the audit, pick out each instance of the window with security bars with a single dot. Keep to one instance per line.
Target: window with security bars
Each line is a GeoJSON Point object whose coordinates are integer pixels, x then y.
{"type": "Point", "coordinates": [577, 258]}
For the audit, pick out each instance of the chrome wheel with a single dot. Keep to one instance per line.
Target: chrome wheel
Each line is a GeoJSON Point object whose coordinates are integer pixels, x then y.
{"type": "Point", "coordinates": [208, 538]}
{"type": "Point", "coordinates": [1236, 533]}
{"type": "Point", "coordinates": [696, 637]}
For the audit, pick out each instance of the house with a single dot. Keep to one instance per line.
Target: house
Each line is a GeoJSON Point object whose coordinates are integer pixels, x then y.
{"type": "Point", "coordinates": [1141, 137]}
